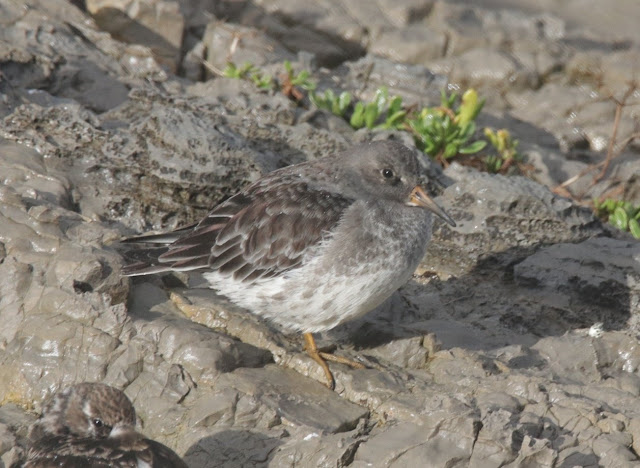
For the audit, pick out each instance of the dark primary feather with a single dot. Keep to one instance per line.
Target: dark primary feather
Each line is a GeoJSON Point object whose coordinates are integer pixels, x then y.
{"type": "Point", "coordinates": [258, 233]}
{"type": "Point", "coordinates": [162, 238]}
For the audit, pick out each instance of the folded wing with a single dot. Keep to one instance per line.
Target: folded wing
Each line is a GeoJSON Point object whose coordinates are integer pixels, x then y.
{"type": "Point", "coordinates": [258, 233]}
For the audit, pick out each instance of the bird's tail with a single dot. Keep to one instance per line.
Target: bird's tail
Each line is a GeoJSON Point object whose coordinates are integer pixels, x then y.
{"type": "Point", "coordinates": [145, 260]}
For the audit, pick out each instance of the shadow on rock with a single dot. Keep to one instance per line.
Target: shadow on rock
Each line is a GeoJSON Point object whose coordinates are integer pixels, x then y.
{"type": "Point", "coordinates": [232, 448]}
{"type": "Point", "coordinates": [513, 297]}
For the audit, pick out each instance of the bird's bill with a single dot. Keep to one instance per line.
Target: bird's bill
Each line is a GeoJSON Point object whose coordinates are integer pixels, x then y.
{"type": "Point", "coordinates": [419, 197]}
{"type": "Point", "coordinates": [123, 430]}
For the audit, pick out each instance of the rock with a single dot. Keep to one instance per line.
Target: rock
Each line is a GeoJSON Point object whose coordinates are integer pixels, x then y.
{"type": "Point", "coordinates": [591, 277]}
{"type": "Point", "coordinates": [74, 68]}
{"type": "Point", "coordinates": [416, 45]}
{"type": "Point", "coordinates": [157, 24]}
{"type": "Point", "coordinates": [515, 344]}
{"type": "Point", "coordinates": [505, 216]}
{"type": "Point", "coordinates": [14, 424]}
{"type": "Point", "coordinates": [411, 445]}
{"type": "Point", "coordinates": [478, 68]}
{"type": "Point", "coordinates": [303, 402]}
{"type": "Point", "coordinates": [224, 43]}
{"type": "Point", "coordinates": [320, 29]}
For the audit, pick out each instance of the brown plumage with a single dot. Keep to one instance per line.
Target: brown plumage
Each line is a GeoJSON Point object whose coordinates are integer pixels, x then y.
{"type": "Point", "coordinates": [93, 425]}
{"type": "Point", "coordinates": [312, 245]}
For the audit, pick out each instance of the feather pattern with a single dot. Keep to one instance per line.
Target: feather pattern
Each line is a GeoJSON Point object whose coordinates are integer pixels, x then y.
{"type": "Point", "coordinates": [70, 452]}
{"type": "Point", "coordinates": [93, 425]}
{"type": "Point", "coordinates": [312, 245]}
{"type": "Point", "coordinates": [260, 232]}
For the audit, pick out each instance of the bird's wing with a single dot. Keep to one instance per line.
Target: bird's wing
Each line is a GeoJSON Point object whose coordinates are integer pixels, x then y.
{"type": "Point", "coordinates": [120, 452]}
{"type": "Point", "coordinates": [158, 455]}
{"type": "Point", "coordinates": [70, 452]}
{"type": "Point", "coordinates": [259, 232]}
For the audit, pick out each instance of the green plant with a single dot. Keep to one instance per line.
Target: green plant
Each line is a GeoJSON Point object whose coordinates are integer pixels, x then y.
{"type": "Point", "coordinates": [621, 214]}
{"type": "Point", "coordinates": [300, 79]}
{"type": "Point", "coordinates": [469, 108]}
{"type": "Point", "coordinates": [248, 71]}
{"type": "Point", "coordinates": [506, 150]}
{"type": "Point", "coordinates": [338, 105]}
{"type": "Point", "coordinates": [291, 81]}
{"type": "Point", "coordinates": [443, 132]}
{"type": "Point", "coordinates": [396, 115]}
{"type": "Point", "coordinates": [368, 114]}
{"type": "Point", "coordinates": [241, 72]}
{"type": "Point", "coordinates": [262, 81]}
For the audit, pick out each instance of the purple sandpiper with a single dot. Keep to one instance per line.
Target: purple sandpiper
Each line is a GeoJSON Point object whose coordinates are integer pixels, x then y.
{"type": "Point", "coordinates": [312, 245]}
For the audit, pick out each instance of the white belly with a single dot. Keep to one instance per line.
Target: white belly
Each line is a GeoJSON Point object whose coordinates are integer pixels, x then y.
{"type": "Point", "coordinates": [323, 294]}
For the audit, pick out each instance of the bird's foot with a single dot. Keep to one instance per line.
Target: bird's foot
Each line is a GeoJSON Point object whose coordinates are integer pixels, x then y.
{"type": "Point", "coordinates": [321, 357]}
{"type": "Point", "coordinates": [185, 306]}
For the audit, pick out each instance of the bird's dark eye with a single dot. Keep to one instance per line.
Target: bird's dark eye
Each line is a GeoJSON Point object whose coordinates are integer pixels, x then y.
{"type": "Point", "coordinates": [387, 173]}
{"type": "Point", "coordinates": [98, 422]}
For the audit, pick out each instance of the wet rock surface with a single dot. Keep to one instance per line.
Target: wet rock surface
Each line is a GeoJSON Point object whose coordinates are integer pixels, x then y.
{"type": "Point", "coordinates": [516, 342]}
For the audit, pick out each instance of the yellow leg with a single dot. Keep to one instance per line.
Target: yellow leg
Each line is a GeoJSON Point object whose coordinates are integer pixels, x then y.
{"type": "Point", "coordinates": [322, 358]}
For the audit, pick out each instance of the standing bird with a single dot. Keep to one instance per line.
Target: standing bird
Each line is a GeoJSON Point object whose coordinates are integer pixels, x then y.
{"type": "Point", "coordinates": [92, 425]}
{"type": "Point", "coordinates": [312, 245]}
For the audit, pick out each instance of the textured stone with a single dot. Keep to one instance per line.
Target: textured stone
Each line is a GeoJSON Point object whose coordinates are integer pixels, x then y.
{"type": "Point", "coordinates": [157, 24]}
{"type": "Point", "coordinates": [492, 356]}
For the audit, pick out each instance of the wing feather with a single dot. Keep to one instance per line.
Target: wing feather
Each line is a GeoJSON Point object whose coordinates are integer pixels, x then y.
{"type": "Point", "coordinates": [260, 232]}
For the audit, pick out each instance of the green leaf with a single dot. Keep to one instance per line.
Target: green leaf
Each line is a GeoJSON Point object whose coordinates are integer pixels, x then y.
{"type": "Point", "coordinates": [381, 99]}
{"type": "Point", "coordinates": [473, 147]}
{"type": "Point", "coordinates": [395, 105]}
{"type": "Point", "coordinates": [467, 130]}
{"type": "Point", "coordinates": [470, 107]}
{"type": "Point", "coordinates": [245, 69]}
{"type": "Point", "coordinates": [395, 119]}
{"type": "Point", "coordinates": [619, 218]}
{"type": "Point", "coordinates": [301, 79]}
{"type": "Point", "coordinates": [493, 163]}
{"type": "Point", "coordinates": [610, 205]}
{"type": "Point", "coordinates": [370, 115]}
{"type": "Point", "coordinates": [316, 100]}
{"type": "Point", "coordinates": [429, 148]}
{"type": "Point", "coordinates": [436, 123]}
{"type": "Point", "coordinates": [229, 70]}
{"type": "Point", "coordinates": [266, 82]}
{"type": "Point", "coordinates": [343, 101]}
{"type": "Point", "coordinates": [335, 108]}
{"type": "Point", "coordinates": [357, 118]}
{"type": "Point", "coordinates": [450, 151]}
{"type": "Point", "coordinates": [308, 85]}
{"type": "Point", "coordinates": [447, 101]}
{"type": "Point", "coordinates": [634, 228]}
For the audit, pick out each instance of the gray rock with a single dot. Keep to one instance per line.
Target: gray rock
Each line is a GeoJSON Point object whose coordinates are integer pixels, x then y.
{"type": "Point", "coordinates": [157, 25]}
{"type": "Point", "coordinates": [597, 278]}
{"type": "Point", "coordinates": [492, 356]}
{"type": "Point", "coordinates": [298, 400]}
{"type": "Point", "coordinates": [478, 68]}
{"type": "Point", "coordinates": [417, 45]}
{"type": "Point", "coordinates": [67, 57]}
{"type": "Point", "coordinates": [408, 444]}
{"type": "Point", "coordinates": [503, 215]}
{"type": "Point", "coordinates": [225, 43]}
